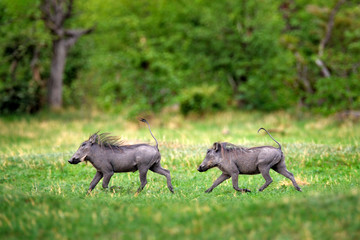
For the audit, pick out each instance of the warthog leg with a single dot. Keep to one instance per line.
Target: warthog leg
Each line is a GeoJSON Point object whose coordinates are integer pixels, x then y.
{"type": "Point", "coordinates": [265, 173]}
{"type": "Point", "coordinates": [95, 181]}
{"type": "Point", "coordinates": [281, 168]}
{"type": "Point", "coordinates": [143, 180]}
{"type": "Point", "coordinates": [235, 182]}
{"type": "Point", "coordinates": [162, 171]}
{"type": "Point", "coordinates": [106, 179]}
{"type": "Point", "coordinates": [219, 180]}
{"type": "Point", "coordinates": [98, 176]}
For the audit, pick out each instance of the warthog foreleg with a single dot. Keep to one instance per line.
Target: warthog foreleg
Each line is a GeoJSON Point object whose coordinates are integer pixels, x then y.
{"type": "Point", "coordinates": [107, 176]}
{"type": "Point", "coordinates": [219, 180]}
{"type": "Point", "coordinates": [235, 182]}
{"type": "Point", "coordinates": [98, 176]}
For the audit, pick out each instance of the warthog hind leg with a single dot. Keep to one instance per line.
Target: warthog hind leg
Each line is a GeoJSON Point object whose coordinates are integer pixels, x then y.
{"type": "Point", "coordinates": [265, 173]}
{"type": "Point", "coordinates": [162, 171]}
{"type": "Point", "coordinates": [283, 171]}
{"type": "Point", "coordinates": [143, 180]}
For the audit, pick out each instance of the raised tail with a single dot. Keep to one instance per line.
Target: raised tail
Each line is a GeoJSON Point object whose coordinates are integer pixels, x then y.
{"type": "Point", "coordinates": [144, 120]}
{"type": "Point", "coordinates": [270, 136]}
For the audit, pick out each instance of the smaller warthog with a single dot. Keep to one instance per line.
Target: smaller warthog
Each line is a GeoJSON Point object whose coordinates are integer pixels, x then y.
{"type": "Point", "coordinates": [233, 160]}
{"type": "Point", "coordinates": [108, 155]}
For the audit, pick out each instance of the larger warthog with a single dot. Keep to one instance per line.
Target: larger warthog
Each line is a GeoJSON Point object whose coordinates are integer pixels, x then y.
{"type": "Point", "coordinates": [108, 155]}
{"type": "Point", "coordinates": [233, 160]}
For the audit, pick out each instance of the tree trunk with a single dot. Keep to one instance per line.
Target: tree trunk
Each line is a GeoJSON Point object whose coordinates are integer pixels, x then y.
{"type": "Point", "coordinates": [54, 14]}
{"type": "Point", "coordinates": [56, 73]}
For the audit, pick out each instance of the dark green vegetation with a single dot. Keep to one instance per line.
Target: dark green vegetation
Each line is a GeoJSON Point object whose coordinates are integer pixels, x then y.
{"type": "Point", "coordinates": [42, 196]}
{"type": "Point", "coordinates": [202, 55]}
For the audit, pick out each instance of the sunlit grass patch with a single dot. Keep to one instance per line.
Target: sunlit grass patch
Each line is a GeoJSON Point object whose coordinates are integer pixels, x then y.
{"type": "Point", "coordinates": [42, 196]}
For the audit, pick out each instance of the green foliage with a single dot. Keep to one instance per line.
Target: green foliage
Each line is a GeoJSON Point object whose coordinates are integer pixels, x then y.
{"type": "Point", "coordinates": [308, 24]}
{"type": "Point", "coordinates": [44, 197]}
{"type": "Point", "coordinates": [22, 57]}
{"type": "Point", "coordinates": [19, 98]}
{"type": "Point", "coordinates": [143, 55]}
{"type": "Point", "coordinates": [335, 94]}
{"type": "Point", "coordinates": [75, 88]}
{"type": "Point", "coordinates": [201, 99]}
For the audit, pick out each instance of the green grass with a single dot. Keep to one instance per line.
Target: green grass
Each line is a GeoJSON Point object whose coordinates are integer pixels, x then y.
{"type": "Point", "coordinates": [43, 197]}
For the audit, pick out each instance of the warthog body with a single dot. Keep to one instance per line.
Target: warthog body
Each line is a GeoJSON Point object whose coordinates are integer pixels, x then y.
{"type": "Point", "coordinates": [233, 160]}
{"type": "Point", "coordinates": [109, 156]}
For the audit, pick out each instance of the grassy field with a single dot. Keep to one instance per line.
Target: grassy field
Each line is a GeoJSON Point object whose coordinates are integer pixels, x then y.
{"type": "Point", "coordinates": [44, 197]}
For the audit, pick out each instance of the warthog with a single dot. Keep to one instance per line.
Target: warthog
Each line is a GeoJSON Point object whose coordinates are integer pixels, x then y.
{"type": "Point", "coordinates": [233, 160]}
{"type": "Point", "coordinates": [108, 155]}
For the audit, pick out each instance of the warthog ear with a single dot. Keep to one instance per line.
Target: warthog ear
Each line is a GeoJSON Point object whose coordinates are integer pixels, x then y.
{"type": "Point", "coordinates": [93, 138]}
{"type": "Point", "coordinates": [217, 146]}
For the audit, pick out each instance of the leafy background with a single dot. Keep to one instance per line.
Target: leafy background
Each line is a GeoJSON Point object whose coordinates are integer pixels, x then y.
{"type": "Point", "coordinates": [149, 55]}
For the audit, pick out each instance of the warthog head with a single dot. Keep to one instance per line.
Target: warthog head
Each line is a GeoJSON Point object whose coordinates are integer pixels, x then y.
{"type": "Point", "coordinates": [83, 150]}
{"type": "Point", "coordinates": [212, 159]}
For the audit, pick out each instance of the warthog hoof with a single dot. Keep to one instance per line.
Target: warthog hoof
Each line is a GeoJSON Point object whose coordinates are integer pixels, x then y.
{"type": "Point", "coordinates": [244, 190]}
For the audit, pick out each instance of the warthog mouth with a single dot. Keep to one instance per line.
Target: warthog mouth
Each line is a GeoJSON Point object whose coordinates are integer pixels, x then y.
{"type": "Point", "coordinates": [76, 160]}
{"type": "Point", "coordinates": [201, 169]}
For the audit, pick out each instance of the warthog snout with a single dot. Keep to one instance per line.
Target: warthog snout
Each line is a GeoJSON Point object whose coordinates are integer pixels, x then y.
{"type": "Point", "coordinates": [74, 161]}
{"type": "Point", "coordinates": [201, 168]}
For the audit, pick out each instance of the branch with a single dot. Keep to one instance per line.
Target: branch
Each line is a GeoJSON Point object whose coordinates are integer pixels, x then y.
{"type": "Point", "coordinates": [78, 32]}
{"type": "Point", "coordinates": [13, 67]}
{"type": "Point", "coordinates": [35, 68]}
{"type": "Point", "coordinates": [55, 13]}
{"type": "Point", "coordinates": [302, 73]}
{"type": "Point", "coordinates": [74, 34]}
{"type": "Point", "coordinates": [232, 83]}
{"type": "Point", "coordinates": [323, 68]}
{"type": "Point", "coordinates": [354, 67]}
{"type": "Point", "coordinates": [46, 15]}
{"type": "Point", "coordinates": [69, 9]}
{"type": "Point", "coordinates": [329, 27]}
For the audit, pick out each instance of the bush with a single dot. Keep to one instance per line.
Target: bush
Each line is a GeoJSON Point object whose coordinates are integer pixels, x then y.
{"type": "Point", "coordinates": [201, 99]}
{"type": "Point", "coordinates": [20, 97]}
{"type": "Point", "coordinates": [335, 94]}
{"type": "Point", "coordinates": [143, 53]}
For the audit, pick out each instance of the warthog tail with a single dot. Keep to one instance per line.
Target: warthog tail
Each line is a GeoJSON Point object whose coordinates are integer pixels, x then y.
{"type": "Point", "coordinates": [144, 120]}
{"type": "Point", "coordinates": [270, 136]}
